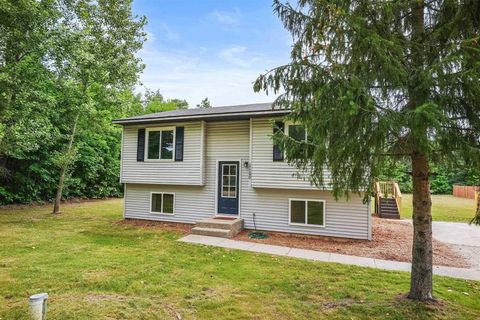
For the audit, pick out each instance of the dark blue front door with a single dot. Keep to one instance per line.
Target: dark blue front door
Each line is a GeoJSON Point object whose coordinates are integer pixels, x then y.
{"type": "Point", "coordinates": [228, 187]}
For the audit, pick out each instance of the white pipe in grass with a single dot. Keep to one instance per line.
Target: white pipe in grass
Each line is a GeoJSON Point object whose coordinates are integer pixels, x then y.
{"type": "Point", "coordinates": [38, 306]}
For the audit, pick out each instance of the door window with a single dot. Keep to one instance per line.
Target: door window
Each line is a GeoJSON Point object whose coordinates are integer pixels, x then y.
{"type": "Point", "coordinates": [229, 181]}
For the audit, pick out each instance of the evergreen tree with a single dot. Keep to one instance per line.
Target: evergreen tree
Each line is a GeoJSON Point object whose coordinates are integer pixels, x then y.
{"type": "Point", "coordinates": [378, 80]}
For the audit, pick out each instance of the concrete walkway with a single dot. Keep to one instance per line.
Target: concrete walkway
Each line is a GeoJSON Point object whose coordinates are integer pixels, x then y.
{"type": "Point", "coordinates": [470, 274]}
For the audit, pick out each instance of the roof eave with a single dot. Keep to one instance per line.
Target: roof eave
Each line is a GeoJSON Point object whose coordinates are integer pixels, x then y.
{"type": "Point", "coordinates": [219, 116]}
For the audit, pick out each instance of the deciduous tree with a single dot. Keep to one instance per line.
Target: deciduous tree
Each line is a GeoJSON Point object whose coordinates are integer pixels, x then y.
{"type": "Point", "coordinates": [27, 88]}
{"type": "Point", "coordinates": [205, 103]}
{"type": "Point", "coordinates": [99, 42]}
{"type": "Point", "coordinates": [155, 102]}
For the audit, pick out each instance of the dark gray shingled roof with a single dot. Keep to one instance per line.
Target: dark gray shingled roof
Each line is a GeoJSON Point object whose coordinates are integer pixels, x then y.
{"type": "Point", "coordinates": [216, 113]}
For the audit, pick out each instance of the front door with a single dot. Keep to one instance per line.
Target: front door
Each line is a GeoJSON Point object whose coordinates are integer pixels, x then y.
{"type": "Point", "coordinates": [228, 187]}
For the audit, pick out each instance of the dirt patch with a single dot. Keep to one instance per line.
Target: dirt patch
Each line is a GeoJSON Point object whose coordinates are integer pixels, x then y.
{"type": "Point", "coordinates": [340, 303]}
{"type": "Point", "coordinates": [168, 226]}
{"type": "Point", "coordinates": [93, 297]}
{"type": "Point", "coordinates": [432, 305]}
{"type": "Point", "coordinates": [391, 240]}
{"type": "Point", "coordinates": [172, 312]}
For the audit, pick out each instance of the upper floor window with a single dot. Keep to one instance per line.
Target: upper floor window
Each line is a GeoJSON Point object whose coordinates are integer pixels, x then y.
{"type": "Point", "coordinates": [297, 132]}
{"type": "Point", "coordinates": [160, 143]}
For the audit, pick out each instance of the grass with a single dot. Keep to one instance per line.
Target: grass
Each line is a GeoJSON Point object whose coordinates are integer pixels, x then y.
{"type": "Point", "coordinates": [93, 268]}
{"type": "Point", "coordinates": [444, 208]}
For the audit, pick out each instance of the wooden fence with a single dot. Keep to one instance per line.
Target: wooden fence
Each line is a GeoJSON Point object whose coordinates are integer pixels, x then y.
{"type": "Point", "coordinates": [465, 191]}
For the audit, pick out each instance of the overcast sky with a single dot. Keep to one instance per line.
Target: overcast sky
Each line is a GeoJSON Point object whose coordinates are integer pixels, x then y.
{"type": "Point", "coordinates": [214, 49]}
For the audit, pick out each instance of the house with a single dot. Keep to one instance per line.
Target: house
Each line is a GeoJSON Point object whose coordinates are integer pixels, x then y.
{"type": "Point", "coordinates": [194, 164]}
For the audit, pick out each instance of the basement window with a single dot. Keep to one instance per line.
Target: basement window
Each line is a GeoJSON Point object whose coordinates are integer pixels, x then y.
{"type": "Point", "coordinates": [307, 212]}
{"type": "Point", "coordinates": [161, 202]}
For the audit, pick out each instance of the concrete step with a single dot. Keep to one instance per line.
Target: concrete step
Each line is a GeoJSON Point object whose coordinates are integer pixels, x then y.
{"type": "Point", "coordinates": [218, 227]}
{"type": "Point", "coordinates": [212, 223]}
{"type": "Point", "coordinates": [212, 232]}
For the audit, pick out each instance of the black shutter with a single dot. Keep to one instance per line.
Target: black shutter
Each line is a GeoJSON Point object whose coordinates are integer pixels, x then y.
{"type": "Point", "coordinates": [179, 134]}
{"type": "Point", "coordinates": [141, 145]}
{"type": "Point", "coordinates": [277, 152]}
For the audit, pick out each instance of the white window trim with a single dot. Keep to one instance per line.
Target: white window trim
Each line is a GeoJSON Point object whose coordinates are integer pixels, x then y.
{"type": "Point", "coordinates": [147, 131]}
{"type": "Point", "coordinates": [306, 213]}
{"type": "Point", "coordinates": [229, 175]}
{"type": "Point", "coordinates": [162, 213]}
{"type": "Point", "coordinates": [287, 127]}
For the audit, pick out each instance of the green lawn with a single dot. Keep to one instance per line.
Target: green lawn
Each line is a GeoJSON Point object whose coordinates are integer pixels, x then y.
{"type": "Point", "coordinates": [444, 208]}
{"type": "Point", "coordinates": [95, 269]}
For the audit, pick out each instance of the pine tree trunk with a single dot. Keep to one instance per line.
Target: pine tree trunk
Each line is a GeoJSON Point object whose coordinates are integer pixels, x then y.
{"type": "Point", "coordinates": [63, 169]}
{"type": "Point", "coordinates": [421, 286]}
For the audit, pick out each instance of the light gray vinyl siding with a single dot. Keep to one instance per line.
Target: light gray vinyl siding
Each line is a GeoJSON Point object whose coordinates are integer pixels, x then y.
{"type": "Point", "coordinates": [190, 203]}
{"type": "Point", "coordinates": [186, 172]}
{"type": "Point", "coordinates": [230, 141]}
{"type": "Point", "coordinates": [267, 173]}
{"type": "Point", "coordinates": [227, 141]}
{"type": "Point", "coordinates": [349, 219]}
{"type": "Point", "coordinates": [224, 141]}
{"type": "Point", "coordinates": [271, 207]}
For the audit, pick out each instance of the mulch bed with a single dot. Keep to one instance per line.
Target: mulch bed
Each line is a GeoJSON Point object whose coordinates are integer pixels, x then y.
{"type": "Point", "coordinates": [391, 240]}
{"type": "Point", "coordinates": [183, 228]}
